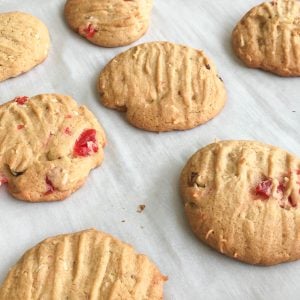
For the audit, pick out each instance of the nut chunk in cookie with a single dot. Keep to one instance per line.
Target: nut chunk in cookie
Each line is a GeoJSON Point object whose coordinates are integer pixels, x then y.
{"type": "Point", "coordinates": [84, 265]}
{"type": "Point", "coordinates": [163, 87]}
{"type": "Point", "coordinates": [243, 199]}
{"type": "Point", "coordinates": [48, 146]}
{"type": "Point", "coordinates": [111, 23]}
{"type": "Point", "coordinates": [24, 43]}
{"type": "Point", "coordinates": [268, 37]}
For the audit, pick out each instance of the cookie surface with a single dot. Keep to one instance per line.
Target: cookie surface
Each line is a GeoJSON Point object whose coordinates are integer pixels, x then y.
{"type": "Point", "coordinates": [48, 145]}
{"type": "Point", "coordinates": [163, 86]}
{"type": "Point", "coordinates": [242, 198]}
{"type": "Point", "coordinates": [84, 265]}
{"type": "Point", "coordinates": [109, 23]}
{"type": "Point", "coordinates": [268, 37]}
{"type": "Point", "coordinates": [24, 43]}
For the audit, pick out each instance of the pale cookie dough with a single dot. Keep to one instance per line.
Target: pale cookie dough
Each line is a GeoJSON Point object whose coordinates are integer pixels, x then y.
{"type": "Point", "coordinates": [163, 86]}
{"type": "Point", "coordinates": [48, 146]}
{"type": "Point", "coordinates": [242, 198]}
{"type": "Point", "coordinates": [84, 265]}
{"type": "Point", "coordinates": [24, 43]}
{"type": "Point", "coordinates": [268, 37]}
{"type": "Point", "coordinates": [109, 23]}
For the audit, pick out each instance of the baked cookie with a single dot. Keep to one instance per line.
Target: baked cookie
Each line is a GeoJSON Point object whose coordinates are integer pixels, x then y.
{"type": "Point", "coordinates": [163, 86]}
{"type": "Point", "coordinates": [24, 43]}
{"type": "Point", "coordinates": [84, 265]}
{"type": "Point", "coordinates": [48, 145]}
{"type": "Point", "coordinates": [242, 198]}
{"type": "Point", "coordinates": [109, 23]}
{"type": "Point", "coordinates": [268, 37]}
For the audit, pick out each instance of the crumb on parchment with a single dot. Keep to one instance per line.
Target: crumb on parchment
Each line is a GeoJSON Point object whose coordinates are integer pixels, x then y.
{"type": "Point", "coordinates": [141, 208]}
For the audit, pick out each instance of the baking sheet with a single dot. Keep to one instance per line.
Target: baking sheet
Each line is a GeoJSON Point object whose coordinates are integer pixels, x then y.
{"type": "Point", "coordinates": [142, 167]}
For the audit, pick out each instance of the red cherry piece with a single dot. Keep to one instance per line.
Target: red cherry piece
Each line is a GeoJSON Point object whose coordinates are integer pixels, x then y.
{"type": "Point", "coordinates": [291, 202]}
{"type": "Point", "coordinates": [68, 131]}
{"type": "Point", "coordinates": [3, 179]}
{"type": "Point", "coordinates": [21, 126]}
{"type": "Point", "coordinates": [89, 31]}
{"type": "Point", "coordinates": [264, 188]}
{"type": "Point", "coordinates": [86, 143]}
{"type": "Point", "coordinates": [69, 116]}
{"type": "Point", "coordinates": [50, 186]}
{"type": "Point", "coordinates": [21, 100]}
{"type": "Point", "coordinates": [281, 188]}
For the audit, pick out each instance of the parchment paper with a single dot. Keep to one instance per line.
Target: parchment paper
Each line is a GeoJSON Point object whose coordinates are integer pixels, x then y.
{"type": "Point", "coordinates": [144, 168]}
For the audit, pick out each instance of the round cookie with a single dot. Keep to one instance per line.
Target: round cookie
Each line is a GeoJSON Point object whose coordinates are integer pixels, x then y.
{"type": "Point", "coordinates": [48, 145]}
{"type": "Point", "coordinates": [109, 23]}
{"type": "Point", "coordinates": [242, 199]}
{"type": "Point", "coordinates": [24, 43]}
{"type": "Point", "coordinates": [163, 86]}
{"type": "Point", "coordinates": [268, 37]}
{"type": "Point", "coordinates": [84, 265]}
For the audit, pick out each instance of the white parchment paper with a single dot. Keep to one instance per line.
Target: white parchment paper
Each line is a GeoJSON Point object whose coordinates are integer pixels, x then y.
{"type": "Point", "coordinates": [144, 168]}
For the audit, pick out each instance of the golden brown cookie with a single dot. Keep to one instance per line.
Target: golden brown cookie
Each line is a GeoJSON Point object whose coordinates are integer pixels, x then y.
{"type": "Point", "coordinates": [163, 86]}
{"type": "Point", "coordinates": [48, 146]}
{"type": "Point", "coordinates": [268, 37]}
{"type": "Point", "coordinates": [242, 198]}
{"type": "Point", "coordinates": [109, 23]}
{"type": "Point", "coordinates": [24, 43]}
{"type": "Point", "coordinates": [84, 265]}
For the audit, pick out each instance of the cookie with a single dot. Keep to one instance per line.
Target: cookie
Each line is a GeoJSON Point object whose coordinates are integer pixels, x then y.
{"type": "Point", "coordinates": [24, 43]}
{"type": "Point", "coordinates": [242, 199]}
{"type": "Point", "coordinates": [109, 23]}
{"type": "Point", "coordinates": [84, 265]}
{"type": "Point", "coordinates": [268, 37]}
{"type": "Point", "coordinates": [163, 87]}
{"type": "Point", "coordinates": [48, 145]}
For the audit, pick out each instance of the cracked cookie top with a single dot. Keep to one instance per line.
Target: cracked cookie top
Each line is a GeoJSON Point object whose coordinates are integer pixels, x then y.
{"type": "Point", "coordinates": [48, 145]}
